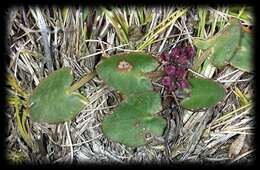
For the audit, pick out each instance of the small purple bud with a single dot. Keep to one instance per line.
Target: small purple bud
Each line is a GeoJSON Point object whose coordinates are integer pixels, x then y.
{"type": "Point", "coordinates": [176, 51]}
{"type": "Point", "coordinates": [190, 52]}
{"type": "Point", "coordinates": [170, 70]}
{"type": "Point", "coordinates": [180, 72]}
{"type": "Point", "coordinates": [183, 50]}
{"type": "Point", "coordinates": [181, 60]}
{"type": "Point", "coordinates": [165, 56]}
{"type": "Point", "coordinates": [183, 84]}
{"type": "Point", "coordinates": [167, 82]}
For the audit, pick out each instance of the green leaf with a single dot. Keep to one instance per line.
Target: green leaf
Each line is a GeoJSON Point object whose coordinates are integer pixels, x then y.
{"type": "Point", "coordinates": [126, 72]}
{"type": "Point", "coordinates": [223, 44]}
{"type": "Point", "coordinates": [204, 93]}
{"type": "Point", "coordinates": [134, 119]}
{"type": "Point", "coordinates": [243, 57]}
{"type": "Point", "coordinates": [203, 44]}
{"type": "Point", "coordinates": [85, 13]}
{"type": "Point", "coordinates": [226, 44]}
{"type": "Point", "coordinates": [52, 101]}
{"type": "Point", "coordinates": [117, 20]}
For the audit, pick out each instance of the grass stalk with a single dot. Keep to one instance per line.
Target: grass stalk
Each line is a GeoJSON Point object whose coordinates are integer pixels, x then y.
{"type": "Point", "coordinates": [83, 80]}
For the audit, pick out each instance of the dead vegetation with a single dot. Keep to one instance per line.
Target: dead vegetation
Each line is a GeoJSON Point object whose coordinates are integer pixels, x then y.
{"type": "Point", "coordinates": [42, 39]}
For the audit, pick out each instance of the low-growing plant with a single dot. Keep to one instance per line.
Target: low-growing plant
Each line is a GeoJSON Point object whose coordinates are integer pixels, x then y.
{"type": "Point", "coordinates": [198, 93]}
{"type": "Point", "coordinates": [54, 100]}
{"type": "Point", "coordinates": [232, 45]}
{"type": "Point", "coordinates": [136, 118]}
{"type": "Point", "coordinates": [203, 94]}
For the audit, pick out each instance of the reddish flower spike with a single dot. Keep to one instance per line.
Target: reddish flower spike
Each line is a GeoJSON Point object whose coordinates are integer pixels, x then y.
{"type": "Point", "coordinates": [183, 84]}
{"type": "Point", "coordinates": [167, 82]}
{"type": "Point", "coordinates": [182, 60]}
{"type": "Point", "coordinates": [190, 52]}
{"type": "Point", "coordinates": [165, 56]}
{"type": "Point", "coordinates": [180, 72]}
{"type": "Point", "coordinates": [170, 70]}
{"type": "Point", "coordinates": [176, 51]}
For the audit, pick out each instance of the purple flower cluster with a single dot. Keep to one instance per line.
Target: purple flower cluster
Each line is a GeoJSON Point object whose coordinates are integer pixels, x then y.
{"type": "Point", "coordinates": [176, 64]}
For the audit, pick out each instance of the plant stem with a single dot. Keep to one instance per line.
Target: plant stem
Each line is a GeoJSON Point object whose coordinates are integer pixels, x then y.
{"type": "Point", "coordinates": [154, 74]}
{"type": "Point", "coordinates": [197, 63]}
{"type": "Point", "coordinates": [160, 28]}
{"type": "Point", "coordinates": [202, 12]}
{"type": "Point", "coordinates": [83, 80]}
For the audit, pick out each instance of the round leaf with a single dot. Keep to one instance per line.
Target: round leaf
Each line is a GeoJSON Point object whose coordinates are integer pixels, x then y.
{"type": "Point", "coordinates": [222, 45]}
{"type": "Point", "coordinates": [243, 57]}
{"type": "Point", "coordinates": [125, 72]}
{"type": "Point", "coordinates": [226, 44]}
{"type": "Point", "coordinates": [134, 119]}
{"type": "Point", "coordinates": [52, 101]}
{"type": "Point", "coordinates": [204, 93]}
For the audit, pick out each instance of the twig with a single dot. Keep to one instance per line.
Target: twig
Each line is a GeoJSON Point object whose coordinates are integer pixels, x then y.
{"type": "Point", "coordinates": [226, 75]}
{"type": "Point", "coordinates": [243, 155]}
{"type": "Point", "coordinates": [70, 142]}
{"type": "Point", "coordinates": [200, 75]}
{"type": "Point", "coordinates": [176, 111]}
{"type": "Point", "coordinates": [199, 131]}
{"type": "Point", "coordinates": [81, 143]}
{"type": "Point", "coordinates": [83, 81]}
{"type": "Point", "coordinates": [101, 52]}
{"type": "Point", "coordinates": [47, 51]}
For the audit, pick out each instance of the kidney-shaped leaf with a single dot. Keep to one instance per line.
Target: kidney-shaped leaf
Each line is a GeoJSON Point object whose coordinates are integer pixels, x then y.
{"type": "Point", "coordinates": [204, 93]}
{"type": "Point", "coordinates": [135, 119]}
{"type": "Point", "coordinates": [125, 72]}
{"type": "Point", "coordinates": [243, 57]}
{"type": "Point", "coordinates": [52, 101]}
{"type": "Point", "coordinates": [223, 44]}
